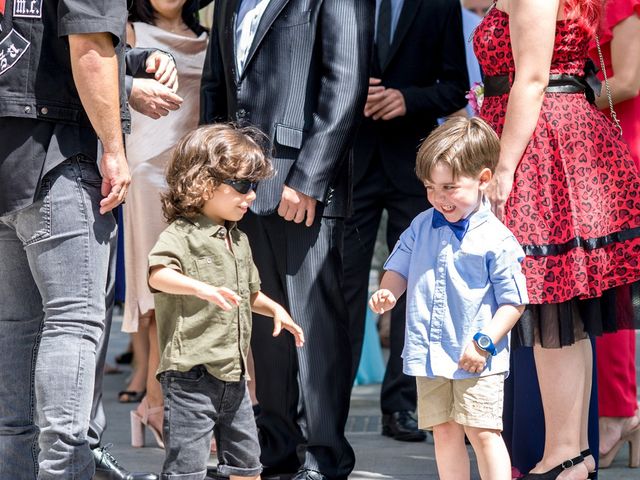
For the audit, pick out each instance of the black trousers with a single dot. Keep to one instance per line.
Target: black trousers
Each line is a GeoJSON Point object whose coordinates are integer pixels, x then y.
{"type": "Point", "coordinates": [371, 195]}
{"type": "Point", "coordinates": [303, 392]}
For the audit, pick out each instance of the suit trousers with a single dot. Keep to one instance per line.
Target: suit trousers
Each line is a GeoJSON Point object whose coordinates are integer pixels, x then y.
{"type": "Point", "coordinates": [303, 392]}
{"type": "Point", "coordinates": [372, 194]}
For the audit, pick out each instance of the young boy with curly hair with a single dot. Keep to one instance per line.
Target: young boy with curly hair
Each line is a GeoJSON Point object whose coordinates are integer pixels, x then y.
{"type": "Point", "coordinates": [206, 286]}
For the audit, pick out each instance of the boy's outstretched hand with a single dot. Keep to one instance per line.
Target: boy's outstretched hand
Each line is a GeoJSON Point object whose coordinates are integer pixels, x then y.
{"type": "Point", "coordinates": [382, 300]}
{"type": "Point", "coordinates": [281, 319]}
{"type": "Point", "coordinates": [473, 360]}
{"type": "Point", "coordinates": [219, 296]}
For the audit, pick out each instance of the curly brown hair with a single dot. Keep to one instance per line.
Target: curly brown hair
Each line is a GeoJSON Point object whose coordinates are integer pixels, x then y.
{"type": "Point", "coordinates": [207, 156]}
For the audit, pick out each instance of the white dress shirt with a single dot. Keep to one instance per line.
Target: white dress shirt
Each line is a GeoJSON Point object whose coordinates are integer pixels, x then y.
{"type": "Point", "coordinates": [247, 22]}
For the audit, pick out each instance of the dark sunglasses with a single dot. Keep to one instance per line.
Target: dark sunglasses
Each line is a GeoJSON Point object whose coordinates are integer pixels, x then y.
{"type": "Point", "coordinates": [241, 186]}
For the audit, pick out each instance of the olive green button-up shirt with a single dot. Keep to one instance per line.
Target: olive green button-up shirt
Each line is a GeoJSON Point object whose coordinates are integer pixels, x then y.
{"type": "Point", "coordinates": [192, 331]}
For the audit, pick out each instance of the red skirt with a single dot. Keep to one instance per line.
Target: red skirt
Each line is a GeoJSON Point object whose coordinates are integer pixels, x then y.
{"type": "Point", "coordinates": [575, 209]}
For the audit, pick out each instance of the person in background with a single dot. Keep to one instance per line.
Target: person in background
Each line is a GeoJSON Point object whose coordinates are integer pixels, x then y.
{"type": "Point", "coordinates": [405, 99]}
{"type": "Point", "coordinates": [62, 170]}
{"type": "Point", "coordinates": [617, 390]}
{"type": "Point", "coordinates": [172, 27]}
{"type": "Point", "coordinates": [472, 13]}
{"type": "Point", "coordinates": [478, 7]}
{"type": "Point", "coordinates": [575, 212]}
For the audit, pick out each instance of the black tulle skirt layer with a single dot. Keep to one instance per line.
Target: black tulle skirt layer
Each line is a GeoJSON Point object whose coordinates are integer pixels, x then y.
{"type": "Point", "coordinates": [557, 325]}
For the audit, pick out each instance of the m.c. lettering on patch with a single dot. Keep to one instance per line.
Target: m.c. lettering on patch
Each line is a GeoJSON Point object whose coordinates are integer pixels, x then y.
{"type": "Point", "coordinates": [27, 8]}
{"type": "Point", "coordinates": [12, 47]}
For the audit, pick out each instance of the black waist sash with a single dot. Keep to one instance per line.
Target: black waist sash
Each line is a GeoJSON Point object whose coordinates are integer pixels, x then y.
{"type": "Point", "coordinates": [558, 83]}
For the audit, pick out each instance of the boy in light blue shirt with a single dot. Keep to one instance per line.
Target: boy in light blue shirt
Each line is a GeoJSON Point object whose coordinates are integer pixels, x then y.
{"type": "Point", "coordinates": [460, 267]}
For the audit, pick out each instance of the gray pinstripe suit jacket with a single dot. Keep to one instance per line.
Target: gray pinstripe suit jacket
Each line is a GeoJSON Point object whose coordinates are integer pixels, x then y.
{"type": "Point", "coordinates": [304, 84]}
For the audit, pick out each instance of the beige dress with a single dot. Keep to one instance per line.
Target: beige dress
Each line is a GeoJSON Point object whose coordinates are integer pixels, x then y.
{"type": "Point", "coordinates": [149, 148]}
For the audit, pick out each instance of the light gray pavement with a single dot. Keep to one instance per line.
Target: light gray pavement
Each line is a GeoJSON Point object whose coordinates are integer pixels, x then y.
{"type": "Point", "coordinates": [377, 457]}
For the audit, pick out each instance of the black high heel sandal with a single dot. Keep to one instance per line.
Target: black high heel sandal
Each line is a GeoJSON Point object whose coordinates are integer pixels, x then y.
{"type": "Point", "coordinates": [554, 472]}
{"type": "Point", "coordinates": [592, 475]}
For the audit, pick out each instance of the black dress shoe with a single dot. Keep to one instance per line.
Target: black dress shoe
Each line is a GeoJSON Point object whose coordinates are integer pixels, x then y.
{"type": "Point", "coordinates": [402, 426]}
{"type": "Point", "coordinates": [305, 474]}
{"type": "Point", "coordinates": [107, 468]}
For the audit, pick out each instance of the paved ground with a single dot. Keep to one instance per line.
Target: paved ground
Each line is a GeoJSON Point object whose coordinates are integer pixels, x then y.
{"type": "Point", "coordinates": [377, 457]}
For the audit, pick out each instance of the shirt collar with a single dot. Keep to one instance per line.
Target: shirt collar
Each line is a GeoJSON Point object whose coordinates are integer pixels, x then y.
{"type": "Point", "coordinates": [481, 215]}
{"type": "Point", "coordinates": [211, 228]}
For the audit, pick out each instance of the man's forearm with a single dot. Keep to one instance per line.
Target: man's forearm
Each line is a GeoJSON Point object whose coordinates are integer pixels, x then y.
{"type": "Point", "coordinates": [95, 72]}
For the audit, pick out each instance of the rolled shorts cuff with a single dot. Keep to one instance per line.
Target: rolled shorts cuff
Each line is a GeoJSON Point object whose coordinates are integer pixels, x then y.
{"type": "Point", "coordinates": [228, 470]}
{"type": "Point", "coordinates": [184, 476]}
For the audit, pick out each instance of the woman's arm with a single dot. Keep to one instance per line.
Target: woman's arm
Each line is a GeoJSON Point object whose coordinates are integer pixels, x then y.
{"type": "Point", "coordinates": [131, 35]}
{"type": "Point", "coordinates": [625, 61]}
{"type": "Point", "coordinates": [532, 24]}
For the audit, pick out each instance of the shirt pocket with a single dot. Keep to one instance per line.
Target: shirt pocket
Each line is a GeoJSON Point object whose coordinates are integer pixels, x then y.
{"type": "Point", "coordinates": [209, 270]}
{"type": "Point", "coordinates": [471, 268]}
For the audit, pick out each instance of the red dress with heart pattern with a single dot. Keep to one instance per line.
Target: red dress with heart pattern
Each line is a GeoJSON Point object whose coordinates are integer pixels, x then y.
{"type": "Point", "coordinates": [575, 203]}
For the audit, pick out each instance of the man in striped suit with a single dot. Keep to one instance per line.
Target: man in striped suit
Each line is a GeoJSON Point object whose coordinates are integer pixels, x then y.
{"type": "Point", "coordinates": [298, 70]}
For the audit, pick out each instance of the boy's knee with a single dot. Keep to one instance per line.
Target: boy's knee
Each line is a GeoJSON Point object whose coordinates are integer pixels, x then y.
{"type": "Point", "coordinates": [448, 431]}
{"type": "Point", "coordinates": [481, 435]}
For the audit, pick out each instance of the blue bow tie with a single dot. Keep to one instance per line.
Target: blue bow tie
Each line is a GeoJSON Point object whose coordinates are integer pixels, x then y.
{"type": "Point", "coordinates": [459, 228]}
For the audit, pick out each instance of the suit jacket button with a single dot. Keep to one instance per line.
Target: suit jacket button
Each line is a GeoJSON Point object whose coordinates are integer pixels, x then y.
{"type": "Point", "coordinates": [241, 113]}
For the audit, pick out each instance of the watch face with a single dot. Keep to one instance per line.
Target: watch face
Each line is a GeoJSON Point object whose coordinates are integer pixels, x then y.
{"type": "Point", "coordinates": [484, 342]}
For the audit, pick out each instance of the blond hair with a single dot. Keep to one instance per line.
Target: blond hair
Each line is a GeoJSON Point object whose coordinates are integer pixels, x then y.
{"type": "Point", "coordinates": [466, 145]}
{"type": "Point", "coordinates": [207, 156]}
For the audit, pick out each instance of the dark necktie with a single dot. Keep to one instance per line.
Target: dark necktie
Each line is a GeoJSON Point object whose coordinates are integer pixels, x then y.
{"type": "Point", "coordinates": [383, 40]}
{"type": "Point", "coordinates": [459, 228]}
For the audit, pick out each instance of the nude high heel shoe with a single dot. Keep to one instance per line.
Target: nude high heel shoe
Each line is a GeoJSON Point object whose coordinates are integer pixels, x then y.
{"type": "Point", "coordinates": [633, 439]}
{"type": "Point", "coordinates": [149, 417]}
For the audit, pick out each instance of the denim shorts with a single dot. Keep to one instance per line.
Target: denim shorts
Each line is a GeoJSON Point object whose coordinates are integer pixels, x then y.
{"type": "Point", "coordinates": [197, 405]}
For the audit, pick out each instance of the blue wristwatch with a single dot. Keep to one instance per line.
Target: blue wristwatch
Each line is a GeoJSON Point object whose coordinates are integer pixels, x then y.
{"type": "Point", "coordinates": [484, 342]}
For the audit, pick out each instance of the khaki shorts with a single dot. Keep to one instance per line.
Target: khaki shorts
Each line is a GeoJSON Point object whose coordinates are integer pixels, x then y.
{"type": "Point", "coordinates": [473, 402]}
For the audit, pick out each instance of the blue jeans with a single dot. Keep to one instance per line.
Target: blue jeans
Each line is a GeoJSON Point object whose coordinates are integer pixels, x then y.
{"type": "Point", "coordinates": [197, 405]}
{"type": "Point", "coordinates": [55, 262]}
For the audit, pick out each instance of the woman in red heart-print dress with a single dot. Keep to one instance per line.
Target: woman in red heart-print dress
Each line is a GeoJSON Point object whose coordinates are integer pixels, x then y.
{"type": "Point", "coordinates": [567, 188]}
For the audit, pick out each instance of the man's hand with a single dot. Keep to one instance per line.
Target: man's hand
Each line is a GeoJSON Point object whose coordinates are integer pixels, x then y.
{"type": "Point", "coordinates": [474, 359]}
{"type": "Point", "coordinates": [153, 99]}
{"type": "Point", "coordinates": [164, 69]}
{"type": "Point", "coordinates": [281, 319]}
{"type": "Point", "coordinates": [115, 180]}
{"type": "Point", "coordinates": [374, 95]}
{"type": "Point", "coordinates": [295, 206]}
{"type": "Point", "coordinates": [382, 300]}
{"type": "Point", "coordinates": [384, 103]}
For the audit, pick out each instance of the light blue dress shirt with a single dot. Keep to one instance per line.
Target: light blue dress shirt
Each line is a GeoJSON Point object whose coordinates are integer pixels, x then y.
{"type": "Point", "coordinates": [453, 290]}
{"type": "Point", "coordinates": [396, 9]}
{"type": "Point", "coordinates": [470, 22]}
